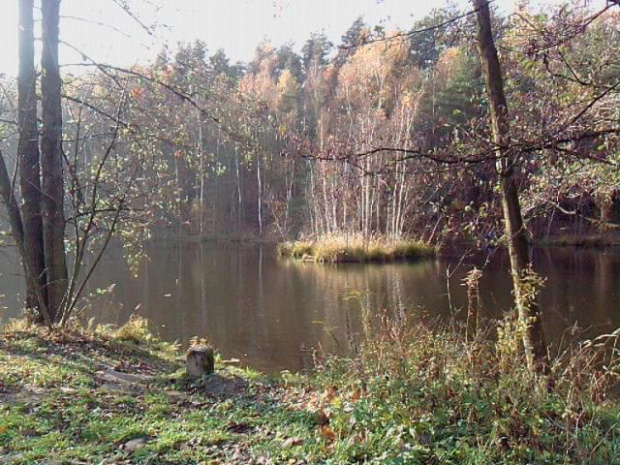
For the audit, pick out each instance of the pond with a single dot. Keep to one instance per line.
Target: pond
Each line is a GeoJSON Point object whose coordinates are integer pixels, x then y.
{"type": "Point", "coordinates": [270, 312]}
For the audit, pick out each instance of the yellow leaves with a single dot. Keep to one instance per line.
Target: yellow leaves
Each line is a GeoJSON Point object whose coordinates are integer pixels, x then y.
{"type": "Point", "coordinates": [449, 64]}
{"type": "Point", "coordinates": [373, 72]}
{"type": "Point", "coordinates": [287, 84]}
{"type": "Point", "coordinates": [288, 90]}
{"type": "Point", "coordinates": [260, 85]}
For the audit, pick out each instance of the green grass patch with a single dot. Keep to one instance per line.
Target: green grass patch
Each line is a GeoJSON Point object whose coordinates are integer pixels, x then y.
{"type": "Point", "coordinates": [408, 396]}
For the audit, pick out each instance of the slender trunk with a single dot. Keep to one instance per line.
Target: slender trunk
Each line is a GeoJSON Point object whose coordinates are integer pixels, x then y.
{"type": "Point", "coordinates": [7, 196]}
{"type": "Point", "coordinates": [200, 146]}
{"type": "Point", "coordinates": [529, 312]}
{"type": "Point", "coordinates": [378, 208]}
{"type": "Point", "coordinates": [28, 157]}
{"type": "Point", "coordinates": [289, 196]}
{"type": "Point", "coordinates": [216, 184]}
{"type": "Point", "coordinates": [260, 197]}
{"type": "Point", "coordinates": [334, 200]}
{"type": "Point", "coordinates": [183, 197]}
{"type": "Point", "coordinates": [314, 214]}
{"type": "Point", "coordinates": [239, 194]}
{"type": "Point", "coordinates": [328, 222]}
{"type": "Point", "coordinates": [51, 160]}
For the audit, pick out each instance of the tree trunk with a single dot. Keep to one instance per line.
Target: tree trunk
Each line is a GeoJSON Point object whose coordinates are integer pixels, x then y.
{"type": "Point", "coordinates": [239, 192]}
{"type": "Point", "coordinates": [184, 197]}
{"type": "Point", "coordinates": [7, 195]}
{"type": "Point", "coordinates": [51, 160]}
{"type": "Point", "coordinates": [28, 159]}
{"type": "Point", "coordinates": [529, 312]}
{"type": "Point", "coordinates": [260, 197]}
{"type": "Point", "coordinates": [201, 156]}
{"type": "Point", "coordinates": [8, 198]}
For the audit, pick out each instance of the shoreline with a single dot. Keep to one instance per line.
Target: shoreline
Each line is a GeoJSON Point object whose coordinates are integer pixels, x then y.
{"type": "Point", "coordinates": [122, 396]}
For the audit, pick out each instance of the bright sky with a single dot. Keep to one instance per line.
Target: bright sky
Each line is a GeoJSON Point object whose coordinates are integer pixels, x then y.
{"type": "Point", "coordinates": [104, 32]}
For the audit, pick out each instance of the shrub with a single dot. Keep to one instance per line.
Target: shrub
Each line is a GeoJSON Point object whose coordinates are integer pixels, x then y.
{"type": "Point", "coordinates": [135, 330]}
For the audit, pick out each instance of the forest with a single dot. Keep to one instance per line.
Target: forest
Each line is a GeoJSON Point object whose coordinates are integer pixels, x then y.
{"type": "Point", "coordinates": [472, 129]}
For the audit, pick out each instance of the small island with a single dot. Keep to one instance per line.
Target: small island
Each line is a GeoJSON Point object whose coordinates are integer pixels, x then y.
{"type": "Point", "coordinates": [356, 249]}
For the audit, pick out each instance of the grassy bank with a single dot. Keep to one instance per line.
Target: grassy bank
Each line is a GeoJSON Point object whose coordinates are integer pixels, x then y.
{"type": "Point", "coordinates": [340, 249]}
{"type": "Point", "coordinates": [408, 397]}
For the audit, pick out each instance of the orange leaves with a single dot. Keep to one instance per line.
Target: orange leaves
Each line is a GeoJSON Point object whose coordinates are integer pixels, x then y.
{"type": "Point", "coordinates": [328, 433]}
{"type": "Point", "coordinates": [179, 154]}
{"type": "Point", "coordinates": [325, 406]}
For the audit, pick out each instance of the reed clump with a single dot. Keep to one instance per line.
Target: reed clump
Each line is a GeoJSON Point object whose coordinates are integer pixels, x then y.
{"type": "Point", "coordinates": [356, 249]}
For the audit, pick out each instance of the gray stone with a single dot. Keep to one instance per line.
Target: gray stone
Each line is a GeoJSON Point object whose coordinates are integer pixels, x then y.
{"type": "Point", "coordinates": [11, 458]}
{"type": "Point", "coordinates": [134, 444]}
{"type": "Point", "coordinates": [113, 380]}
{"type": "Point", "coordinates": [200, 361]}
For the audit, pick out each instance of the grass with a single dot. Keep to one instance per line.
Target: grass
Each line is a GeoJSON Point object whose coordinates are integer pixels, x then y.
{"type": "Point", "coordinates": [409, 395]}
{"type": "Point", "coordinates": [353, 249]}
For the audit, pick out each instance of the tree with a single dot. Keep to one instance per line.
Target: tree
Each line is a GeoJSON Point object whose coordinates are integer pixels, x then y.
{"type": "Point", "coordinates": [529, 312]}
{"type": "Point", "coordinates": [28, 159]}
{"type": "Point", "coordinates": [220, 64]}
{"type": "Point", "coordinates": [315, 50]}
{"type": "Point", "coordinates": [51, 160]}
{"type": "Point", "coordinates": [287, 59]}
{"type": "Point", "coordinates": [355, 36]}
{"type": "Point", "coordinates": [38, 227]}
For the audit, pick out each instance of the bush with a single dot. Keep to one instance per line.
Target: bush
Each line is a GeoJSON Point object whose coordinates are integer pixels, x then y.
{"type": "Point", "coordinates": [135, 330]}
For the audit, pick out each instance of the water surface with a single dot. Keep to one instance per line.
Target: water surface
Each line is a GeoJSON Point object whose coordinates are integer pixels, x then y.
{"type": "Point", "coordinates": [270, 312]}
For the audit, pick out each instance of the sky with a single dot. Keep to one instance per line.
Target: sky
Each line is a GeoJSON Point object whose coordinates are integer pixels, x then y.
{"type": "Point", "coordinates": [103, 31]}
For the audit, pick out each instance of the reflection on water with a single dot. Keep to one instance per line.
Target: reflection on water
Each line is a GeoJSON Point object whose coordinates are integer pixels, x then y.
{"type": "Point", "coordinates": [270, 312]}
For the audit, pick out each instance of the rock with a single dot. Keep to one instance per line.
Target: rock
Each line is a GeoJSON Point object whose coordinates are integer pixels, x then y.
{"type": "Point", "coordinates": [134, 444]}
{"type": "Point", "coordinates": [12, 458]}
{"type": "Point", "coordinates": [113, 380]}
{"type": "Point", "coordinates": [200, 361]}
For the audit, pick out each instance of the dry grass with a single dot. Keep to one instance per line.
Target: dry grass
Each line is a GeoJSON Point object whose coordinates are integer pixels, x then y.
{"type": "Point", "coordinates": [356, 248]}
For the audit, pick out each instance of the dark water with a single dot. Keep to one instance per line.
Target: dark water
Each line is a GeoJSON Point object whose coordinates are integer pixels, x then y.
{"type": "Point", "coordinates": [269, 312]}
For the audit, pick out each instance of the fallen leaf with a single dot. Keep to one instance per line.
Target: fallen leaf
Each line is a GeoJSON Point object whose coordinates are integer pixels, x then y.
{"type": "Point", "coordinates": [292, 442]}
